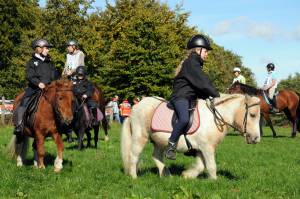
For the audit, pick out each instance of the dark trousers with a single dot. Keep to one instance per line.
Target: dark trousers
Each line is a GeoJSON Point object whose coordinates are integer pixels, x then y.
{"type": "Point", "coordinates": [28, 93]}
{"type": "Point", "coordinates": [181, 107]}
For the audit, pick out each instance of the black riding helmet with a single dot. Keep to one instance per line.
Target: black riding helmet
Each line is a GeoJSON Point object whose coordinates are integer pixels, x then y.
{"type": "Point", "coordinates": [41, 43]}
{"type": "Point", "coordinates": [199, 41]}
{"type": "Point", "coordinates": [80, 71]}
{"type": "Point", "coordinates": [270, 66]}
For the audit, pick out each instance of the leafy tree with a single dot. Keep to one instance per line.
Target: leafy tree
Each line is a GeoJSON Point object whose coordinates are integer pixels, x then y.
{"type": "Point", "coordinates": [292, 83]}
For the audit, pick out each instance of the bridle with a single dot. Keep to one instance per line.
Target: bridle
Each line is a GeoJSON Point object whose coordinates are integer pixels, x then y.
{"type": "Point", "coordinates": [220, 122]}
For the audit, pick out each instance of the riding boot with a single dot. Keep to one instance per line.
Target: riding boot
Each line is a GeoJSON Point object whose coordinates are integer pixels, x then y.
{"type": "Point", "coordinates": [19, 123]}
{"type": "Point", "coordinates": [273, 108]}
{"type": "Point", "coordinates": [94, 113]}
{"type": "Point", "coordinates": [171, 151]}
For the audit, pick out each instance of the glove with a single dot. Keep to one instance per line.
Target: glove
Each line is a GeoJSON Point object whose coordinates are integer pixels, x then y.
{"type": "Point", "coordinates": [84, 96]}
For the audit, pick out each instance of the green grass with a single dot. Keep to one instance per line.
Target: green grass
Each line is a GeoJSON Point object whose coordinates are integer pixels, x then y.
{"type": "Point", "coordinates": [270, 169]}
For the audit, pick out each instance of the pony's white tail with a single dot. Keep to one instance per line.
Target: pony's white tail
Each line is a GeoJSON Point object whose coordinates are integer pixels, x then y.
{"type": "Point", "coordinates": [126, 144]}
{"type": "Point", "coordinates": [15, 149]}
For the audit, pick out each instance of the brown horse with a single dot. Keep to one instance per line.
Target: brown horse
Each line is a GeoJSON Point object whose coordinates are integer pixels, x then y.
{"type": "Point", "coordinates": [53, 110]}
{"type": "Point", "coordinates": [286, 101]}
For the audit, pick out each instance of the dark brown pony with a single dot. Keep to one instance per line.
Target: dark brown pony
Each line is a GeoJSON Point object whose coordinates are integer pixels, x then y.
{"type": "Point", "coordinates": [286, 101]}
{"type": "Point", "coordinates": [54, 109]}
{"type": "Point", "coordinates": [79, 124]}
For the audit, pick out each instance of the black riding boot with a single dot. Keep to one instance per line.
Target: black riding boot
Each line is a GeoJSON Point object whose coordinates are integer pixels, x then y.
{"type": "Point", "coordinates": [94, 112]}
{"type": "Point", "coordinates": [19, 123]}
{"type": "Point", "coordinates": [171, 151]}
{"type": "Point", "coordinates": [273, 108]}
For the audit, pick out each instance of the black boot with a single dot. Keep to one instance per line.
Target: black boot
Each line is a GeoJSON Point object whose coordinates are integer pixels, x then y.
{"type": "Point", "coordinates": [273, 108]}
{"type": "Point", "coordinates": [94, 113]}
{"type": "Point", "coordinates": [171, 151]}
{"type": "Point", "coordinates": [19, 123]}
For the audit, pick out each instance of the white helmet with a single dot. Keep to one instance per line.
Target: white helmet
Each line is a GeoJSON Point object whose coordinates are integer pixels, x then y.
{"type": "Point", "coordinates": [237, 69]}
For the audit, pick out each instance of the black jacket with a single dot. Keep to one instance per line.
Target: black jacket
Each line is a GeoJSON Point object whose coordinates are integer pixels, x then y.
{"type": "Point", "coordinates": [191, 82]}
{"type": "Point", "coordinates": [38, 71]}
{"type": "Point", "coordinates": [82, 87]}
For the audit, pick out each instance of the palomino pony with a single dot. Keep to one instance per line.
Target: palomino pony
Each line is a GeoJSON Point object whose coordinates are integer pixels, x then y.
{"type": "Point", "coordinates": [236, 110]}
{"type": "Point", "coordinates": [80, 124]}
{"type": "Point", "coordinates": [287, 101]}
{"type": "Point", "coordinates": [54, 109]}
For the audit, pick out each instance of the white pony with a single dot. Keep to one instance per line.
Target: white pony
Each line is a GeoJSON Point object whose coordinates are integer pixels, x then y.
{"type": "Point", "coordinates": [237, 110]}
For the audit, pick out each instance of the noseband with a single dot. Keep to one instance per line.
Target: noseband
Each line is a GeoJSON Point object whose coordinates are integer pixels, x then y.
{"type": "Point", "coordinates": [220, 122]}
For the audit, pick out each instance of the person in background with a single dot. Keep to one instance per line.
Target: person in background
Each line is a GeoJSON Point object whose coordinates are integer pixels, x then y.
{"type": "Point", "coordinates": [75, 58]}
{"type": "Point", "coordinates": [116, 111]}
{"type": "Point", "coordinates": [125, 109]}
{"type": "Point", "coordinates": [270, 86]}
{"type": "Point", "coordinates": [238, 77]}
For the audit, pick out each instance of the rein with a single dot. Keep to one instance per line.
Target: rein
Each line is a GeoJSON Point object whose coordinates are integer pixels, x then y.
{"type": "Point", "coordinates": [219, 120]}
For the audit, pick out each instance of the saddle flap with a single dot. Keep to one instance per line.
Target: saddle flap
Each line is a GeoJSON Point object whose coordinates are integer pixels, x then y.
{"type": "Point", "coordinates": [162, 119]}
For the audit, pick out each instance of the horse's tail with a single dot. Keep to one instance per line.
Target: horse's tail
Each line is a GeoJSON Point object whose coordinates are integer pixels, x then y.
{"type": "Point", "coordinates": [126, 144]}
{"type": "Point", "coordinates": [16, 148]}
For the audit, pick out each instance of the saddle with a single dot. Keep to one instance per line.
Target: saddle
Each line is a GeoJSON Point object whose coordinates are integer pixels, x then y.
{"type": "Point", "coordinates": [89, 115]}
{"type": "Point", "coordinates": [31, 108]}
{"type": "Point", "coordinates": [164, 118]}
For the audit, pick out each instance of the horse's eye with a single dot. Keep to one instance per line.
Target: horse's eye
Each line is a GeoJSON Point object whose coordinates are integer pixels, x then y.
{"type": "Point", "coordinates": [60, 98]}
{"type": "Point", "coordinates": [252, 115]}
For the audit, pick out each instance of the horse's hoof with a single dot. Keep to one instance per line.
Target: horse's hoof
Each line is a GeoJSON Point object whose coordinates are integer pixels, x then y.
{"type": "Point", "coordinates": [57, 170]}
{"type": "Point", "coordinates": [165, 172]}
{"type": "Point", "coordinates": [106, 138]}
{"type": "Point", "coordinates": [42, 167]}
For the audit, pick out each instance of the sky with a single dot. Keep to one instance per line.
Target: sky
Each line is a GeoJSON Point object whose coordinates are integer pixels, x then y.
{"type": "Point", "coordinates": [260, 31]}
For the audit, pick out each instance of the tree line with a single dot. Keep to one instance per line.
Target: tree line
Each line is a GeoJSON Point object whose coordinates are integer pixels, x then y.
{"type": "Point", "coordinates": [132, 47]}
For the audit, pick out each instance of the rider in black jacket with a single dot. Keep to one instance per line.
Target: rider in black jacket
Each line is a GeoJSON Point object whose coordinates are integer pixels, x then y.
{"type": "Point", "coordinates": [189, 84]}
{"type": "Point", "coordinates": [84, 89]}
{"type": "Point", "coordinates": [39, 72]}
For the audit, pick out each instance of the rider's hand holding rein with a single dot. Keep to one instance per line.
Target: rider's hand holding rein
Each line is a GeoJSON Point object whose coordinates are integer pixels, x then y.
{"type": "Point", "coordinates": [42, 85]}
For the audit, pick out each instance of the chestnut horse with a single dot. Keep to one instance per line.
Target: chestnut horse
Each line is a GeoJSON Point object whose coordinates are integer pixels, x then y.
{"type": "Point", "coordinates": [79, 124]}
{"type": "Point", "coordinates": [53, 110]}
{"type": "Point", "coordinates": [286, 101]}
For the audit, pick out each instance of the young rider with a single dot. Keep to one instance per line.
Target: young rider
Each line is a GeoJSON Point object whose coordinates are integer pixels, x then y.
{"type": "Point", "coordinates": [189, 84]}
{"type": "Point", "coordinates": [270, 85]}
{"type": "Point", "coordinates": [238, 76]}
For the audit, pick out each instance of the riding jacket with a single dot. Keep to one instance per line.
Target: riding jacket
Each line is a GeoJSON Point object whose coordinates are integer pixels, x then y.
{"type": "Point", "coordinates": [40, 70]}
{"type": "Point", "coordinates": [82, 87]}
{"type": "Point", "coordinates": [191, 82]}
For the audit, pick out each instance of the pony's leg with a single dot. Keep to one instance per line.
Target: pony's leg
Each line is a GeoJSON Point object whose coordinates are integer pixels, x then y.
{"type": "Point", "coordinates": [35, 155]}
{"type": "Point", "coordinates": [40, 150]}
{"type": "Point", "coordinates": [291, 115]}
{"type": "Point", "coordinates": [105, 126]}
{"type": "Point", "coordinates": [158, 157]}
{"type": "Point", "coordinates": [138, 144]}
{"type": "Point", "coordinates": [210, 163]}
{"type": "Point", "coordinates": [60, 147]}
{"type": "Point", "coordinates": [196, 168]}
{"type": "Point", "coordinates": [89, 137]}
{"type": "Point", "coordinates": [80, 138]}
{"type": "Point", "coordinates": [268, 120]}
{"type": "Point", "coordinates": [96, 133]}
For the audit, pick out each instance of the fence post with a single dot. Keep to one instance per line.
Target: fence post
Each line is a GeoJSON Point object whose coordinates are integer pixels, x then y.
{"type": "Point", "coordinates": [3, 111]}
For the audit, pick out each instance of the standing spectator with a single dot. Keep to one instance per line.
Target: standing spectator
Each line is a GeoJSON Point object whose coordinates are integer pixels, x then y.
{"type": "Point", "coordinates": [109, 111]}
{"type": "Point", "coordinates": [125, 109]}
{"type": "Point", "coordinates": [238, 77]}
{"type": "Point", "coordinates": [116, 111]}
{"type": "Point", "coordinates": [75, 58]}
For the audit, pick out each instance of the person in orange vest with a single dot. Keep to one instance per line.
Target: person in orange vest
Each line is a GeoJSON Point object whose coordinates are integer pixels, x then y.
{"type": "Point", "coordinates": [125, 109]}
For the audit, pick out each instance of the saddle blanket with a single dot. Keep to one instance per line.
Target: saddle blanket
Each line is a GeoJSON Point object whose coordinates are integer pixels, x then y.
{"type": "Point", "coordinates": [162, 119]}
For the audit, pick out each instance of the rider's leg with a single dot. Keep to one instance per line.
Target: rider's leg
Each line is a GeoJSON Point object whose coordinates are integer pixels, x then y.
{"type": "Point", "coordinates": [20, 111]}
{"type": "Point", "coordinates": [272, 98]}
{"type": "Point", "coordinates": [182, 110]}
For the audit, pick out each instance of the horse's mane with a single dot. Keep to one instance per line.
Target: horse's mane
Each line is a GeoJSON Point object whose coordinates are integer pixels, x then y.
{"type": "Point", "coordinates": [250, 90]}
{"type": "Point", "coordinates": [225, 98]}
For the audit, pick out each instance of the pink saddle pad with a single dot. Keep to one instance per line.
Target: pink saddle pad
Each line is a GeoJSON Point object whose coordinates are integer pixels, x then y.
{"type": "Point", "coordinates": [162, 120]}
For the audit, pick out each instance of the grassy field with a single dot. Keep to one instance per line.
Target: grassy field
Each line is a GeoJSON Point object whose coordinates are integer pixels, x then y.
{"type": "Point", "coordinates": [270, 169]}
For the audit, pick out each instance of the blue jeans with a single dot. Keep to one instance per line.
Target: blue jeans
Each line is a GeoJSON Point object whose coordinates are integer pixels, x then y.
{"type": "Point", "coordinates": [182, 110]}
{"type": "Point", "coordinates": [117, 117]}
